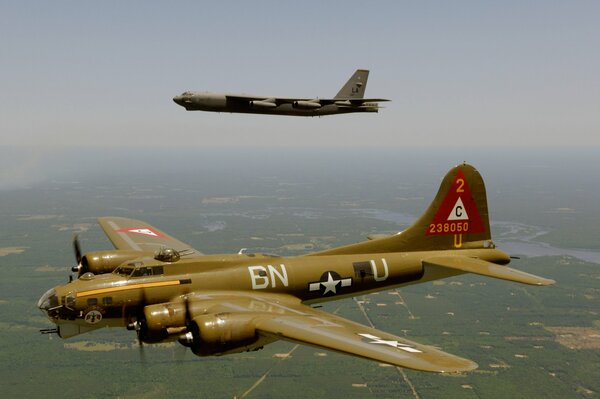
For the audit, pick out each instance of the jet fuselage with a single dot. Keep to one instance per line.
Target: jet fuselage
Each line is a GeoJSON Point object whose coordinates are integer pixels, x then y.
{"type": "Point", "coordinates": [215, 102]}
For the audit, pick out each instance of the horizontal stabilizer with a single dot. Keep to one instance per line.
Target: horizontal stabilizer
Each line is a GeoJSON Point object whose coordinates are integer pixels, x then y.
{"type": "Point", "coordinates": [378, 236]}
{"type": "Point", "coordinates": [357, 100]}
{"type": "Point", "coordinates": [481, 267]}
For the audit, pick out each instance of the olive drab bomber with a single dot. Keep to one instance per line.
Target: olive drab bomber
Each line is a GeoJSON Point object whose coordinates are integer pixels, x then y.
{"type": "Point", "coordinates": [166, 291]}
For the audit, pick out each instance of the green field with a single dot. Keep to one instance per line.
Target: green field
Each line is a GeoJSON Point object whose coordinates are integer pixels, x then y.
{"type": "Point", "coordinates": [529, 342]}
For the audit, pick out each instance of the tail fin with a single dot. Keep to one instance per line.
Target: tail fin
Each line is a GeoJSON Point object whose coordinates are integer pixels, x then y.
{"type": "Point", "coordinates": [457, 218]}
{"type": "Point", "coordinates": [355, 86]}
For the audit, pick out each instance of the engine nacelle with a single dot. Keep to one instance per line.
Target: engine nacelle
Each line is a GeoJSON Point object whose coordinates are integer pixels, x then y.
{"type": "Point", "coordinates": [306, 105]}
{"type": "Point", "coordinates": [218, 334]}
{"type": "Point", "coordinates": [101, 262]}
{"type": "Point", "coordinates": [164, 315]}
{"type": "Point", "coordinates": [207, 334]}
{"type": "Point", "coordinates": [262, 104]}
{"type": "Point", "coordinates": [344, 103]}
{"type": "Point", "coordinates": [163, 322]}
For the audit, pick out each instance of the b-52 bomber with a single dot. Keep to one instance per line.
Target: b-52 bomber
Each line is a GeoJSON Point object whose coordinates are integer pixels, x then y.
{"type": "Point", "coordinates": [166, 291]}
{"type": "Point", "coordinates": [348, 100]}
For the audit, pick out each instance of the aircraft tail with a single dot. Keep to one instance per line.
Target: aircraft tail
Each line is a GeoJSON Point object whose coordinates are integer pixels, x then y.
{"type": "Point", "coordinates": [456, 219]}
{"type": "Point", "coordinates": [355, 86]}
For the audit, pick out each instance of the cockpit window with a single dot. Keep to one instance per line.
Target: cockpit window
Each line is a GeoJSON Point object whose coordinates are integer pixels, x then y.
{"type": "Point", "coordinates": [124, 270]}
{"type": "Point", "coordinates": [70, 300]}
{"type": "Point", "coordinates": [144, 271]}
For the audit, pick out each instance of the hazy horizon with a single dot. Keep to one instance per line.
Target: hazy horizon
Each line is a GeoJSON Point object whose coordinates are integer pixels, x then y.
{"type": "Point", "coordinates": [22, 166]}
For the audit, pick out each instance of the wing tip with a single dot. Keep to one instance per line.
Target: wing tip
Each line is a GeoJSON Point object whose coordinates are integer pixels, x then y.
{"type": "Point", "coordinates": [458, 365]}
{"type": "Point", "coordinates": [469, 365]}
{"type": "Point", "coordinates": [545, 281]}
{"type": "Point", "coordinates": [441, 362]}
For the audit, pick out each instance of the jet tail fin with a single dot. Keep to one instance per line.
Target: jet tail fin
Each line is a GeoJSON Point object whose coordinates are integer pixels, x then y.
{"type": "Point", "coordinates": [355, 86]}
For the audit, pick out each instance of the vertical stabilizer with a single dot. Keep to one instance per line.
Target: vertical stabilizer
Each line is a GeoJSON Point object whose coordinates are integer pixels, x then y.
{"type": "Point", "coordinates": [456, 219]}
{"type": "Point", "coordinates": [355, 86]}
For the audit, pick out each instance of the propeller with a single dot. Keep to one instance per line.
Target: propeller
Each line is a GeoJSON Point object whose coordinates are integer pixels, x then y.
{"type": "Point", "coordinates": [191, 337]}
{"type": "Point", "coordinates": [139, 325]}
{"type": "Point", "coordinates": [77, 248]}
{"type": "Point", "coordinates": [186, 340]}
{"type": "Point", "coordinates": [188, 316]}
{"type": "Point", "coordinates": [78, 256]}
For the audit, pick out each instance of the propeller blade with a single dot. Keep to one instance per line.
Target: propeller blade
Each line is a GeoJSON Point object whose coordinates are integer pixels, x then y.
{"type": "Point", "coordinates": [77, 248]}
{"type": "Point", "coordinates": [191, 327]}
{"type": "Point", "coordinates": [140, 316]}
{"type": "Point", "coordinates": [140, 325]}
{"type": "Point", "coordinates": [124, 314]}
{"type": "Point", "coordinates": [188, 315]}
{"type": "Point", "coordinates": [140, 345]}
{"type": "Point", "coordinates": [78, 256]}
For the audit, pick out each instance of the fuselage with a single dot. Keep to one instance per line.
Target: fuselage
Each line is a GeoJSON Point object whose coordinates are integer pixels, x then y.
{"type": "Point", "coordinates": [215, 102]}
{"type": "Point", "coordinates": [114, 299]}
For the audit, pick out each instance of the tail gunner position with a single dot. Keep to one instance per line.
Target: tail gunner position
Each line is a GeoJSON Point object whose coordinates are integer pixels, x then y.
{"type": "Point", "coordinates": [221, 304]}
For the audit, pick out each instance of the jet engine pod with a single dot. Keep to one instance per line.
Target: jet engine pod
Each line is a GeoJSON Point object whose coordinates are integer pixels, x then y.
{"type": "Point", "coordinates": [262, 104]}
{"type": "Point", "coordinates": [306, 105]}
{"type": "Point", "coordinates": [222, 333]}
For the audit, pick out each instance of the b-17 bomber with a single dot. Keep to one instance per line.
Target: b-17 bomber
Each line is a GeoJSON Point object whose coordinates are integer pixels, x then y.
{"type": "Point", "coordinates": [166, 291]}
{"type": "Point", "coordinates": [349, 99]}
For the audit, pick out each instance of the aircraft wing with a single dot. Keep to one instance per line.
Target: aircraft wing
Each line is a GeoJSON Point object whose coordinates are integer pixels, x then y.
{"type": "Point", "coordinates": [136, 235]}
{"type": "Point", "coordinates": [277, 100]}
{"type": "Point", "coordinates": [352, 101]}
{"type": "Point", "coordinates": [344, 102]}
{"type": "Point", "coordinates": [285, 317]}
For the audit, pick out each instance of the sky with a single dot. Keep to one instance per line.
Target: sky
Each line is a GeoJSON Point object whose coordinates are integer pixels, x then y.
{"type": "Point", "coordinates": [460, 73]}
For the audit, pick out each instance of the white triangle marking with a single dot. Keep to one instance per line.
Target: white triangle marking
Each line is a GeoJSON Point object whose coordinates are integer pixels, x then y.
{"type": "Point", "coordinates": [458, 211]}
{"type": "Point", "coordinates": [146, 232]}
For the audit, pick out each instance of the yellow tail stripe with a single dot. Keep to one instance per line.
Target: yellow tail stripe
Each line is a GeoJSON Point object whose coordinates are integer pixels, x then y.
{"type": "Point", "coordinates": [128, 287]}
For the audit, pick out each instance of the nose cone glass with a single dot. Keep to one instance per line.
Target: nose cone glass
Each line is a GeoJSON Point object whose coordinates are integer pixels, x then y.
{"type": "Point", "coordinates": [48, 300]}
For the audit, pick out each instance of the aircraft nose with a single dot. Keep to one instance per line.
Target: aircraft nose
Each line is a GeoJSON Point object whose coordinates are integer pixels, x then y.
{"type": "Point", "coordinates": [178, 100]}
{"type": "Point", "coordinates": [48, 300]}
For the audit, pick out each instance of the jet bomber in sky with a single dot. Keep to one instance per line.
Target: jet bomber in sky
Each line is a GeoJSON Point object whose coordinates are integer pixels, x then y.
{"type": "Point", "coordinates": [349, 99]}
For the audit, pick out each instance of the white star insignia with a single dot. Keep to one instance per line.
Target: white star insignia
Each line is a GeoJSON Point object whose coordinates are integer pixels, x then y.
{"type": "Point", "coordinates": [398, 345]}
{"type": "Point", "coordinates": [330, 284]}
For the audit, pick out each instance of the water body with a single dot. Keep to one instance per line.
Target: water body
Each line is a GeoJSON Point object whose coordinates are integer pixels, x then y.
{"type": "Point", "coordinates": [514, 238]}
{"type": "Point", "coordinates": [533, 249]}
{"type": "Point", "coordinates": [522, 239]}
